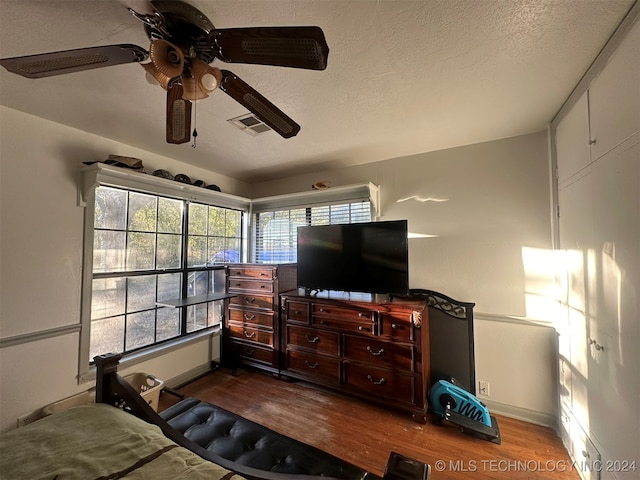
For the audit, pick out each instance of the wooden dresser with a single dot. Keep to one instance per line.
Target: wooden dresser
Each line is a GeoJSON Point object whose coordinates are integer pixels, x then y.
{"type": "Point", "coordinates": [373, 349]}
{"type": "Point", "coordinates": [251, 328]}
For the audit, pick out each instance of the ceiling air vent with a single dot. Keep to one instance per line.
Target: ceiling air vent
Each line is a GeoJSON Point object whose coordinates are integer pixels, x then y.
{"type": "Point", "coordinates": [250, 124]}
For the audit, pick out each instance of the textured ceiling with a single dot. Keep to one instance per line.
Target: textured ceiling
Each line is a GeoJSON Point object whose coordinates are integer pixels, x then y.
{"type": "Point", "coordinates": [403, 77]}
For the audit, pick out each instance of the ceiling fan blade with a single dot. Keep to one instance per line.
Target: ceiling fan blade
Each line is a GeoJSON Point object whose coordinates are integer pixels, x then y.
{"type": "Point", "coordinates": [262, 108]}
{"type": "Point", "coordinates": [297, 47]}
{"type": "Point", "coordinates": [178, 115]}
{"type": "Point", "coordinates": [68, 61]}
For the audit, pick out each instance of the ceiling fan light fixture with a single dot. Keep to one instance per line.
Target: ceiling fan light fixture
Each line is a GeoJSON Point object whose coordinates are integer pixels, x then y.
{"type": "Point", "coordinates": [204, 80]}
{"type": "Point", "coordinates": [167, 58]}
{"type": "Point", "coordinates": [209, 81]}
{"type": "Point", "coordinates": [154, 77]}
{"type": "Point", "coordinates": [209, 78]}
{"type": "Point", "coordinates": [191, 91]}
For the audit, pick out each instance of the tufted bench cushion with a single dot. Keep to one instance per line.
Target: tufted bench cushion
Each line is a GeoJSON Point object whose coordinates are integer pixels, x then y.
{"type": "Point", "coordinates": [247, 443]}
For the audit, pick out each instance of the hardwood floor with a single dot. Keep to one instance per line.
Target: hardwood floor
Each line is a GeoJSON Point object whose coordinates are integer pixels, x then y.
{"type": "Point", "coordinates": [364, 434]}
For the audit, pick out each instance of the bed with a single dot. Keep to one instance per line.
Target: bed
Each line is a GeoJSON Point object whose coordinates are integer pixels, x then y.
{"type": "Point", "coordinates": [121, 436]}
{"type": "Point", "coordinates": [99, 441]}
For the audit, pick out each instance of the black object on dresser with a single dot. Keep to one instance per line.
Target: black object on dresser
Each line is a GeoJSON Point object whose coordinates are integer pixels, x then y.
{"type": "Point", "coordinates": [375, 349]}
{"type": "Point", "coordinates": [251, 329]}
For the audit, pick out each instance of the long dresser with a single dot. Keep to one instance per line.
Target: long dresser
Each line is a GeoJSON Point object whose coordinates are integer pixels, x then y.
{"type": "Point", "coordinates": [251, 329]}
{"type": "Point", "coordinates": [373, 349]}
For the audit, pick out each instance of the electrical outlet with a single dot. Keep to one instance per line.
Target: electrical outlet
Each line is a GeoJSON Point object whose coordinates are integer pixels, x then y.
{"type": "Point", "coordinates": [483, 388]}
{"type": "Point", "coordinates": [28, 418]}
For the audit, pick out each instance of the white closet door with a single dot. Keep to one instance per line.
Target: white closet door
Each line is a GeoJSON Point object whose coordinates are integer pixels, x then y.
{"type": "Point", "coordinates": [614, 97]}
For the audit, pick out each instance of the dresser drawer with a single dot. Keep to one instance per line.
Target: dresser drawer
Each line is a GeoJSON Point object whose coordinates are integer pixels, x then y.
{"type": "Point", "coordinates": [255, 272]}
{"type": "Point", "coordinates": [379, 382]}
{"type": "Point", "coordinates": [398, 326]}
{"type": "Point", "coordinates": [253, 353]}
{"type": "Point", "coordinates": [379, 353]}
{"type": "Point", "coordinates": [348, 326]}
{"type": "Point", "coordinates": [249, 285]}
{"type": "Point", "coordinates": [253, 301]}
{"type": "Point", "coordinates": [317, 366]}
{"type": "Point", "coordinates": [322, 309]}
{"type": "Point", "coordinates": [244, 332]}
{"type": "Point", "coordinates": [297, 311]}
{"type": "Point", "coordinates": [245, 315]}
{"type": "Point", "coordinates": [313, 339]}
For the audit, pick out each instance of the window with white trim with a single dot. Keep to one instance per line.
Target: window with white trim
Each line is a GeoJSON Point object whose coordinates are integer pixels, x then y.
{"type": "Point", "coordinates": [276, 232]}
{"type": "Point", "coordinates": [149, 249]}
{"type": "Point", "coordinates": [149, 240]}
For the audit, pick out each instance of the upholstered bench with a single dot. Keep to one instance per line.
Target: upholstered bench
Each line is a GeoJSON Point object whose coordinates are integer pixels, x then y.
{"type": "Point", "coordinates": [247, 443]}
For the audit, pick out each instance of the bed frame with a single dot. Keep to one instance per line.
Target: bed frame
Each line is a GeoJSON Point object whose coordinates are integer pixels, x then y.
{"type": "Point", "coordinates": [112, 389]}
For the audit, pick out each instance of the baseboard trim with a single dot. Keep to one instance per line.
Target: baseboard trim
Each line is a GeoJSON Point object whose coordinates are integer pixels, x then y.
{"type": "Point", "coordinates": [519, 413]}
{"type": "Point", "coordinates": [188, 376]}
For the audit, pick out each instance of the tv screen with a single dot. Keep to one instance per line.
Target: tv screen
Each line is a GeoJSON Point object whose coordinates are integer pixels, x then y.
{"type": "Point", "coordinates": [358, 257]}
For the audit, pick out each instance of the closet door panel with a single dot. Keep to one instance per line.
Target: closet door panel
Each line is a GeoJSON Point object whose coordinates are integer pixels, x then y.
{"type": "Point", "coordinates": [614, 97]}
{"type": "Point", "coordinates": [572, 140]}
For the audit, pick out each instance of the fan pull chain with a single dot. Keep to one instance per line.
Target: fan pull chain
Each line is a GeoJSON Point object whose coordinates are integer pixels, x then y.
{"type": "Point", "coordinates": [195, 116]}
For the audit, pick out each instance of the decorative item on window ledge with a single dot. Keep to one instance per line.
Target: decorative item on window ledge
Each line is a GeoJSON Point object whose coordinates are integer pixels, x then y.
{"type": "Point", "coordinates": [182, 178]}
{"type": "Point", "coordinates": [162, 174]}
{"type": "Point", "coordinates": [323, 185]}
{"type": "Point", "coordinates": [131, 163]}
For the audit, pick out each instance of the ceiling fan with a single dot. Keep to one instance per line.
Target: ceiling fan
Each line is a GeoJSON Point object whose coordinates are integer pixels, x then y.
{"type": "Point", "coordinates": [183, 44]}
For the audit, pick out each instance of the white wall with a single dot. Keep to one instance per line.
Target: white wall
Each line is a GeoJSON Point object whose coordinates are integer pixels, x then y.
{"type": "Point", "coordinates": [488, 207]}
{"type": "Point", "coordinates": [41, 241]}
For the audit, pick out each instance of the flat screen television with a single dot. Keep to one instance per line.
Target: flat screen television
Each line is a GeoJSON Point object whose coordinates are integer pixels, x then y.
{"type": "Point", "coordinates": [358, 257]}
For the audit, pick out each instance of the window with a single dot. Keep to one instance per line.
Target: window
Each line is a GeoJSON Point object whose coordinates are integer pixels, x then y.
{"type": "Point", "coordinates": [149, 240]}
{"type": "Point", "coordinates": [149, 248]}
{"type": "Point", "coordinates": [276, 236]}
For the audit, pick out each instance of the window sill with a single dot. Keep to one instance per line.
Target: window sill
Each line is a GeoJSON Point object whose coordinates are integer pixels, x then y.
{"type": "Point", "coordinates": [153, 352]}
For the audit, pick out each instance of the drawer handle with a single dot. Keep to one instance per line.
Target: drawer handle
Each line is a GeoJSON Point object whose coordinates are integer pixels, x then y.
{"type": "Point", "coordinates": [322, 310]}
{"type": "Point", "coordinates": [248, 317]}
{"type": "Point", "coordinates": [249, 334]}
{"type": "Point", "coordinates": [263, 286]}
{"type": "Point", "coordinates": [249, 351]}
{"type": "Point", "coordinates": [375, 354]}
{"type": "Point", "coordinates": [382, 381]}
{"type": "Point", "coordinates": [311, 365]}
{"type": "Point", "coordinates": [297, 312]}
{"type": "Point", "coordinates": [363, 329]}
{"type": "Point", "coordinates": [250, 299]}
{"type": "Point", "coordinates": [312, 340]}
{"type": "Point", "coordinates": [393, 325]}
{"type": "Point", "coordinates": [263, 274]}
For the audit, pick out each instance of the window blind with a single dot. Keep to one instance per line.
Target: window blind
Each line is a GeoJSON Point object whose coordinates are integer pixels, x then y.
{"type": "Point", "coordinates": [275, 220]}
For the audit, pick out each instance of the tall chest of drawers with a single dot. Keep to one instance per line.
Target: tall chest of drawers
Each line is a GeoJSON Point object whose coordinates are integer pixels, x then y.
{"type": "Point", "coordinates": [376, 350]}
{"type": "Point", "coordinates": [251, 330]}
